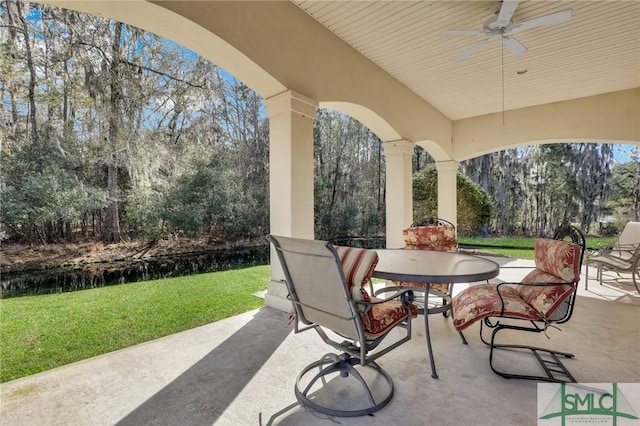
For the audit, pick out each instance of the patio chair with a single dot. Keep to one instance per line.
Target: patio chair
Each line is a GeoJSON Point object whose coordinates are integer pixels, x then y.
{"type": "Point", "coordinates": [621, 257]}
{"type": "Point", "coordinates": [326, 285]}
{"type": "Point", "coordinates": [545, 297]}
{"type": "Point", "coordinates": [430, 234]}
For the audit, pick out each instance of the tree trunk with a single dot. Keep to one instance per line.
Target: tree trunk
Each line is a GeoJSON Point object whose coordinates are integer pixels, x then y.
{"type": "Point", "coordinates": [112, 229]}
{"type": "Point", "coordinates": [32, 75]}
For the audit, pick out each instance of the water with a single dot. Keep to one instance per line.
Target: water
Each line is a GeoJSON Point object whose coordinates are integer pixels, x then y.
{"type": "Point", "coordinates": [120, 271]}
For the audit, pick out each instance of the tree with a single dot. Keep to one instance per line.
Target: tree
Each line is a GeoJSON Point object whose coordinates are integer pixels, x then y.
{"type": "Point", "coordinates": [106, 127]}
{"type": "Point", "coordinates": [626, 187]}
{"type": "Point", "coordinates": [501, 176]}
{"type": "Point", "coordinates": [536, 188]}
{"type": "Point", "coordinates": [593, 179]}
{"type": "Point", "coordinates": [199, 202]}
{"type": "Point", "coordinates": [348, 177]}
{"type": "Point", "coordinates": [474, 205]}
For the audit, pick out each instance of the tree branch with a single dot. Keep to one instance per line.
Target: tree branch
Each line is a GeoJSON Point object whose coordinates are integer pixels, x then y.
{"type": "Point", "coordinates": [138, 67]}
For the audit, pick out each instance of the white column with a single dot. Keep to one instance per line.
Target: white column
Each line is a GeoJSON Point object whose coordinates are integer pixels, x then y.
{"type": "Point", "coordinates": [447, 191]}
{"type": "Point", "coordinates": [399, 189]}
{"type": "Point", "coordinates": [291, 118]}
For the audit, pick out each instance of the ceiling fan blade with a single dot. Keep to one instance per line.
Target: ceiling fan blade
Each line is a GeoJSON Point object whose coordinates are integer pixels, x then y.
{"type": "Point", "coordinates": [553, 18]}
{"type": "Point", "coordinates": [470, 51]}
{"type": "Point", "coordinates": [514, 46]}
{"type": "Point", "coordinates": [507, 9]}
{"type": "Point", "coordinates": [461, 32]}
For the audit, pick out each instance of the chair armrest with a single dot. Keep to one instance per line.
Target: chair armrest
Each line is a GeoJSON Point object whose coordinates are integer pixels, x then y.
{"type": "Point", "coordinates": [625, 253]}
{"type": "Point", "coordinates": [629, 248]}
{"type": "Point", "coordinates": [600, 250]}
{"type": "Point", "coordinates": [405, 295]}
{"type": "Point", "coordinates": [613, 248]}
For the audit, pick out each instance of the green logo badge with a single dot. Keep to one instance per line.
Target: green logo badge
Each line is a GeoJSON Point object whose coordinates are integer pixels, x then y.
{"type": "Point", "coordinates": [588, 404]}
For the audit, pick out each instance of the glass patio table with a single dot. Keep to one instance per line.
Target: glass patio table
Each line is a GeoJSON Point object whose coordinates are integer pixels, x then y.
{"type": "Point", "coordinates": [424, 266]}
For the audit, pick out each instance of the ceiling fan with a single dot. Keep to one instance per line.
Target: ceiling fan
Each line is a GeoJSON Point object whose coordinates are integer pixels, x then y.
{"type": "Point", "coordinates": [500, 25]}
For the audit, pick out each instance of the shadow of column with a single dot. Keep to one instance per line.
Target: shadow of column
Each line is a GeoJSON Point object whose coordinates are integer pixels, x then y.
{"type": "Point", "coordinates": [202, 393]}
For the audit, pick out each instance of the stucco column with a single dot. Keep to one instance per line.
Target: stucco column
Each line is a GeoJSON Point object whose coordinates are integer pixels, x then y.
{"type": "Point", "coordinates": [399, 189]}
{"type": "Point", "coordinates": [291, 118]}
{"type": "Point", "coordinates": [447, 191]}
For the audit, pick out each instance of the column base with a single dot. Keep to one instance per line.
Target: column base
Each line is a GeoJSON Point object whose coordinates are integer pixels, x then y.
{"type": "Point", "coordinates": [276, 297]}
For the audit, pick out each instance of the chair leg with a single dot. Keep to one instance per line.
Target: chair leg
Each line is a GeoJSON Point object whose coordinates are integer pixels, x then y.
{"type": "Point", "coordinates": [552, 367]}
{"type": "Point", "coordinates": [599, 274]}
{"type": "Point", "coordinates": [345, 366]}
{"type": "Point", "coordinates": [586, 276]}
{"type": "Point", "coordinates": [464, 339]}
{"type": "Point", "coordinates": [448, 313]}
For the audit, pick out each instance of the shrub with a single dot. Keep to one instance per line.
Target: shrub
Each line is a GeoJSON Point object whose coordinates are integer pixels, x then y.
{"type": "Point", "coordinates": [474, 205]}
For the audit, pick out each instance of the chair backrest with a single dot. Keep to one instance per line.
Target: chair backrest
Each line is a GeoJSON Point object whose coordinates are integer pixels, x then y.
{"type": "Point", "coordinates": [630, 234]}
{"type": "Point", "coordinates": [357, 266]}
{"type": "Point", "coordinates": [318, 282]}
{"type": "Point", "coordinates": [431, 234]}
{"type": "Point", "coordinates": [626, 248]}
{"type": "Point", "coordinates": [557, 261]}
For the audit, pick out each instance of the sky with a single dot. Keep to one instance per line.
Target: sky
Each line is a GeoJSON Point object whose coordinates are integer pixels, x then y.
{"type": "Point", "coordinates": [622, 152]}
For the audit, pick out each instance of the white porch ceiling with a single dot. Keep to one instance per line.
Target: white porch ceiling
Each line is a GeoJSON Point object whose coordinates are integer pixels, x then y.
{"type": "Point", "coordinates": [597, 51]}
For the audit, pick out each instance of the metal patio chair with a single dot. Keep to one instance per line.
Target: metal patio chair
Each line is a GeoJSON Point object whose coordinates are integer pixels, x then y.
{"type": "Point", "coordinates": [326, 285]}
{"type": "Point", "coordinates": [435, 234]}
{"type": "Point", "coordinates": [544, 298]}
{"type": "Point", "coordinates": [621, 257]}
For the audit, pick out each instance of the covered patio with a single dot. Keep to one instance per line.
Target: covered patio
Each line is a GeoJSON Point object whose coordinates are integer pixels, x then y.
{"type": "Point", "coordinates": [385, 65]}
{"type": "Point", "coordinates": [233, 371]}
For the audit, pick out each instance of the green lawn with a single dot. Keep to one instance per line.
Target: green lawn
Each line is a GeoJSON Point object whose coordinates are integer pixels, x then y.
{"type": "Point", "coordinates": [519, 247]}
{"type": "Point", "coordinates": [42, 332]}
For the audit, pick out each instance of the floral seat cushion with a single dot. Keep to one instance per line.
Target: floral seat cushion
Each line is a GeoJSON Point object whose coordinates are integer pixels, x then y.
{"type": "Point", "coordinates": [556, 262]}
{"type": "Point", "coordinates": [385, 315]}
{"type": "Point", "coordinates": [483, 301]}
{"type": "Point", "coordinates": [358, 265]}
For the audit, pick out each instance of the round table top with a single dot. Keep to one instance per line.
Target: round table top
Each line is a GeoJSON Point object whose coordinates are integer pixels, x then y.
{"type": "Point", "coordinates": [433, 266]}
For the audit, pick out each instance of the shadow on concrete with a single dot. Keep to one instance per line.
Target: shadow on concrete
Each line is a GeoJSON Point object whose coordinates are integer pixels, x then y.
{"type": "Point", "coordinates": [202, 393]}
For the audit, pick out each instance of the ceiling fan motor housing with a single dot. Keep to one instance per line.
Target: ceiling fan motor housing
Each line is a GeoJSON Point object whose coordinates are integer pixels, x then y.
{"type": "Point", "coordinates": [491, 26]}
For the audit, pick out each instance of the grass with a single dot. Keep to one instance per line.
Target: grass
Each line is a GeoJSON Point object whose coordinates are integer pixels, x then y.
{"type": "Point", "coordinates": [519, 247]}
{"type": "Point", "coordinates": [42, 332]}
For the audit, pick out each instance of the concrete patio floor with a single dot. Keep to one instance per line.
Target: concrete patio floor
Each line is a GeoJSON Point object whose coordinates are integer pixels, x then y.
{"type": "Point", "coordinates": [234, 371]}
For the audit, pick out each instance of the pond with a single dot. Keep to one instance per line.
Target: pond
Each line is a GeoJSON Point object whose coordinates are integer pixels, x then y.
{"type": "Point", "coordinates": [127, 270]}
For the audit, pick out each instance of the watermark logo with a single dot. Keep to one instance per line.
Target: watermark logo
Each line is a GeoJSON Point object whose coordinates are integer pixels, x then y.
{"type": "Point", "coordinates": [595, 404]}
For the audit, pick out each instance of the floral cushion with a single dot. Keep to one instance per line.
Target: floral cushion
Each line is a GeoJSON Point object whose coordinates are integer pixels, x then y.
{"type": "Point", "coordinates": [559, 258]}
{"type": "Point", "coordinates": [481, 301]}
{"type": "Point", "coordinates": [430, 237]}
{"type": "Point", "coordinates": [556, 262]}
{"type": "Point", "coordinates": [358, 265]}
{"type": "Point", "coordinates": [385, 315]}
{"type": "Point", "coordinates": [441, 287]}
